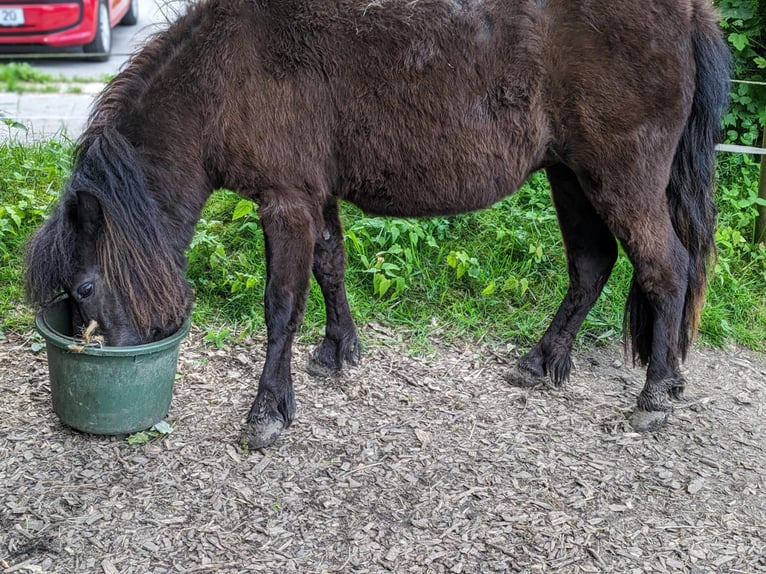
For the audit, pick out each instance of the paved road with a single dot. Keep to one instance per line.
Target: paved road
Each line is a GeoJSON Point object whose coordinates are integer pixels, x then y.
{"type": "Point", "coordinates": [46, 115]}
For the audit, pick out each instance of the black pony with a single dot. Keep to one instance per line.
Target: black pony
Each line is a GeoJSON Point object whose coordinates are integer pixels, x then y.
{"type": "Point", "coordinates": [404, 108]}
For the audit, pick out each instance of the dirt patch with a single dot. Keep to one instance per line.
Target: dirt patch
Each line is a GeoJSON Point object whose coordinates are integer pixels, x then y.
{"type": "Point", "coordinates": [403, 464]}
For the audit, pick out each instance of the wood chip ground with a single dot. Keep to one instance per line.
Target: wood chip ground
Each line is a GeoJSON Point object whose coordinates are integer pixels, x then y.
{"type": "Point", "coordinates": [404, 464]}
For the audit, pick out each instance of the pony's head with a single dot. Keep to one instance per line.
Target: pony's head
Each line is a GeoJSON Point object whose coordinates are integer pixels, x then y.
{"type": "Point", "coordinates": [108, 245]}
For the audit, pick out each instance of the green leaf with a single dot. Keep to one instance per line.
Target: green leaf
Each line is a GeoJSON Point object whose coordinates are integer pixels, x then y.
{"type": "Point", "coordinates": [141, 437]}
{"type": "Point", "coordinates": [473, 268]}
{"type": "Point", "coordinates": [383, 285]}
{"type": "Point", "coordinates": [243, 208]}
{"type": "Point", "coordinates": [16, 218]}
{"type": "Point", "coordinates": [489, 289]}
{"type": "Point", "coordinates": [163, 427]}
{"type": "Point", "coordinates": [739, 41]}
{"type": "Point", "coordinates": [510, 283]}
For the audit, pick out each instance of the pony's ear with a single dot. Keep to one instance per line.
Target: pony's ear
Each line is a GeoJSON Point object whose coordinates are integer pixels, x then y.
{"type": "Point", "coordinates": [86, 214]}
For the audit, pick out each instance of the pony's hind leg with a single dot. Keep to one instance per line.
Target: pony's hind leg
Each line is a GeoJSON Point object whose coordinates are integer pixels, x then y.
{"type": "Point", "coordinates": [591, 251]}
{"type": "Point", "coordinates": [289, 232]}
{"type": "Point", "coordinates": [635, 206]}
{"type": "Point", "coordinates": [340, 344]}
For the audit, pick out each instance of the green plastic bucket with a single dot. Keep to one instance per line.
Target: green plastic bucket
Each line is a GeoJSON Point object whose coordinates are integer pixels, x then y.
{"type": "Point", "coordinates": [107, 390]}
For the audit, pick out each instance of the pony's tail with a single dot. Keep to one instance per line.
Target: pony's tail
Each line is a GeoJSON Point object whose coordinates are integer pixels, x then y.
{"type": "Point", "coordinates": [690, 190]}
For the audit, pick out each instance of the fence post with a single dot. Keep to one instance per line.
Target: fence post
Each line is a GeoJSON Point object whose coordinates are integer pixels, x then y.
{"type": "Point", "coordinates": [760, 221]}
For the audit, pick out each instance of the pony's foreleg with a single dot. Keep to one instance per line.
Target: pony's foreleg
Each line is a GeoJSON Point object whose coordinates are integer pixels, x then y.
{"type": "Point", "coordinates": [591, 252]}
{"type": "Point", "coordinates": [340, 343]}
{"type": "Point", "coordinates": [289, 232]}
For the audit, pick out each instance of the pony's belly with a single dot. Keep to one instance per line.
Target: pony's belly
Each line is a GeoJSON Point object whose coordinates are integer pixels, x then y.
{"type": "Point", "coordinates": [440, 168]}
{"type": "Point", "coordinates": [393, 199]}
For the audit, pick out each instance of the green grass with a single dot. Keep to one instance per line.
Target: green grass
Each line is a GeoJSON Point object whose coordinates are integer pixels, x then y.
{"type": "Point", "coordinates": [22, 77]}
{"type": "Point", "coordinates": [498, 273]}
{"type": "Point", "coordinates": [13, 74]}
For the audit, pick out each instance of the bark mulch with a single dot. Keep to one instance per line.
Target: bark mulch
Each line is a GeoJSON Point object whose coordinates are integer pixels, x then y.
{"type": "Point", "coordinates": [404, 464]}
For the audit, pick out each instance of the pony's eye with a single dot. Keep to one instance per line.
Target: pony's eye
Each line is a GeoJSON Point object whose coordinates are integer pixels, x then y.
{"type": "Point", "coordinates": [85, 290]}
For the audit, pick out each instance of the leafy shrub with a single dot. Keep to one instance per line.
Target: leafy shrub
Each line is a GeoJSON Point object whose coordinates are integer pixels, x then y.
{"type": "Point", "coordinates": [744, 24]}
{"type": "Point", "coordinates": [735, 307]}
{"type": "Point", "coordinates": [30, 178]}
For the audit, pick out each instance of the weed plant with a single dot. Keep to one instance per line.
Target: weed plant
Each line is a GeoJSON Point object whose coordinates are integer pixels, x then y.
{"type": "Point", "coordinates": [500, 272]}
{"type": "Point", "coordinates": [18, 77]}
{"type": "Point", "coordinates": [29, 179]}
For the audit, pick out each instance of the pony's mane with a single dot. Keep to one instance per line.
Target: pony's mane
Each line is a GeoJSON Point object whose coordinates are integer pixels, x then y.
{"type": "Point", "coordinates": [49, 257]}
{"type": "Point", "coordinates": [136, 256]}
{"type": "Point", "coordinates": [137, 260]}
{"type": "Point", "coordinates": [115, 105]}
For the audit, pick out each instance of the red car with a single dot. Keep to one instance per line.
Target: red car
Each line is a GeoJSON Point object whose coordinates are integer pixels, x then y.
{"type": "Point", "coordinates": [48, 25]}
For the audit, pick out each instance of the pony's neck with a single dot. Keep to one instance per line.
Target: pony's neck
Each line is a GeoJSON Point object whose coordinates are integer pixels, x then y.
{"type": "Point", "coordinates": [150, 104]}
{"type": "Point", "coordinates": [179, 193]}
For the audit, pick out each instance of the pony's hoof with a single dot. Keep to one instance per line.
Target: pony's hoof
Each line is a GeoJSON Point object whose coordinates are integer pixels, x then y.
{"type": "Point", "coordinates": [647, 421]}
{"type": "Point", "coordinates": [266, 420]}
{"type": "Point", "coordinates": [263, 432]}
{"type": "Point", "coordinates": [519, 376]}
{"type": "Point", "coordinates": [316, 368]}
{"type": "Point", "coordinates": [328, 358]}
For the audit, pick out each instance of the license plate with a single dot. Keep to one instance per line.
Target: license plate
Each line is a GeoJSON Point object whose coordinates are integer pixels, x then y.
{"type": "Point", "coordinates": [11, 17]}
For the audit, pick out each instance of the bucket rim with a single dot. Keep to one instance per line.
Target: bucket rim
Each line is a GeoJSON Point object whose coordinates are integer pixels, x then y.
{"type": "Point", "coordinates": [64, 342]}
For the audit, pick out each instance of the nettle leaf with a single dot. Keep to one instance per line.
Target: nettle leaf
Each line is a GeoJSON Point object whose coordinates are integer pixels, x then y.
{"type": "Point", "coordinates": [243, 208]}
{"type": "Point", "coordinates": [739, 41]}
{"type": "Point", "coordinates": [141, 437]}
{"type": "Point", "coordinates": [381, 285]}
